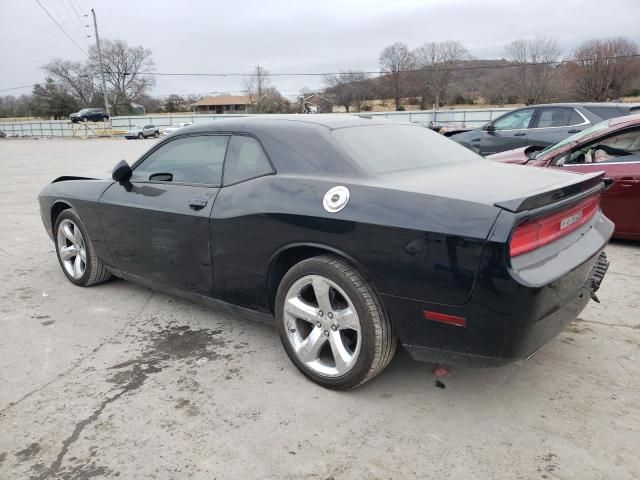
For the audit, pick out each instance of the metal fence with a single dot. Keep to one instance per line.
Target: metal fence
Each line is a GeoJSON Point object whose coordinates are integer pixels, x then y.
{"type": "Point", "coordinates": [119, 125]}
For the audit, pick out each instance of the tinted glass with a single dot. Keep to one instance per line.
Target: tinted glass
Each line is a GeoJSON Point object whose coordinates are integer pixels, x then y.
{"type": "Point", "coordinates": [554, 117]}
{"type": "Point", "coordinates": [387, 148]}
{"type": "Point", "coordinates": [605, 112]}
{"type": "Point", "coordinates": [576, 137]}
{"type": "Point", "coordinates": [514, 120]}
{"type": "Point", "coordinates": [197, 159]}
{"type": "Point", "coordinates": [575, 118]}
{"type": "Point", "coordinates": [245, 159]}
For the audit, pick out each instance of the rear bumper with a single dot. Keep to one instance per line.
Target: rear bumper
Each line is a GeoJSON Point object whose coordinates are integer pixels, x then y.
{"type": "Point", "coordinates": [506, 318]}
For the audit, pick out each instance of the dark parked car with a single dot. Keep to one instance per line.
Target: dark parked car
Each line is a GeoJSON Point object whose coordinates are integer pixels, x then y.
{"type": "Point", "coordinates": [350, 232]}
{"type": "Point", "coordinates": [89, 115]}
{"type": "Point", "coordinates": [541, 125]}
{"type": "Point", "coordinates": [613, 147]}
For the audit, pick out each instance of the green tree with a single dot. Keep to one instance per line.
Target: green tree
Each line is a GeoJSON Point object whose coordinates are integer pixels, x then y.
{"type": "Point", "coordinates": [51, 100]}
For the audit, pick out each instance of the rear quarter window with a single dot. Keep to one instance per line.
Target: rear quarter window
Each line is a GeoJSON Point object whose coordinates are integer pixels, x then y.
{"type": "Point", "coordinates": [606, 112]}
{"type": "Point", "coordinates": [387, 148]}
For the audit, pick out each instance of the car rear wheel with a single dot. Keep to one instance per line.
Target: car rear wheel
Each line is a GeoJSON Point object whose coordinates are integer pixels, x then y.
{"type": "Point", "coordinates": [156, 134]}
{"type": "Point", "coordinates": [331, 323]}
{"type": "Point", "coordinates": [105, 119]}
{"type": "Point", "coordinates": [75, 252]}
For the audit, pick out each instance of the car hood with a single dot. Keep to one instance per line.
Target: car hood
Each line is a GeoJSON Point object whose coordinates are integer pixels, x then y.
{"type": "Point", "coordinates": [517, 155]}
{"type": "Point", "coordinates": [486, 182]}
{"type": "Point", "coordinates": [465, 136]}
{"type": "Point", "coordinates": [99, 175]}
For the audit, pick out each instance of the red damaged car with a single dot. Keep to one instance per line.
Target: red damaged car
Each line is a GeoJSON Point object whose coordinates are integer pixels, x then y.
{"type": "Point", "coordinates": [612, 146]}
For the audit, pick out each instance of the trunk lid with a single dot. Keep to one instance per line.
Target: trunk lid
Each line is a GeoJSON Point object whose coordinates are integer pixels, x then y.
{"type": "Point", "coordinates": [510, 187]}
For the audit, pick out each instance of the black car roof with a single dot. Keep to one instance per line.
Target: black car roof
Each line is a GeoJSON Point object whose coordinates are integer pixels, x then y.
{"type": "Point", "coordinates": [329, 121]}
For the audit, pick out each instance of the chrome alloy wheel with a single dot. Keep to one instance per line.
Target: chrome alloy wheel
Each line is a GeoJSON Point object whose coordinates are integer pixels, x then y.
{"type": "Point", "coordinates": [322, 325]}
{"type": "Point", "coordinates": [71, 248]}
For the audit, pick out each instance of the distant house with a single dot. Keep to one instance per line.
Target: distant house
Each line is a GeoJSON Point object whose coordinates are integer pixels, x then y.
{"type": "Point", "coordinates": [314, 103]}
{"type": "Point", "coordinates": [223, 104]}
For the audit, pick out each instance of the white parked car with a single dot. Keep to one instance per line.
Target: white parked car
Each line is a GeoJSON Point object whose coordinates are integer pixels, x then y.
{"type": "Point", "coordinates": [173, 128]}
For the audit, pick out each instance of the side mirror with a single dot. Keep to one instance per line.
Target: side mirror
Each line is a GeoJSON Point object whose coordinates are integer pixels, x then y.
{"type": "Point", "coordinates": [121, 172]}
{"type": "Point", "coordinates": [489, 127]}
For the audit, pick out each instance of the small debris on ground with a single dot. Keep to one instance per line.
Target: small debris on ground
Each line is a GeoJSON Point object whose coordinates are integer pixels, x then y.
{"type": "Point", "coordinates": [439, 384]}
{"type": "Point", "coordinates": [441, 372]}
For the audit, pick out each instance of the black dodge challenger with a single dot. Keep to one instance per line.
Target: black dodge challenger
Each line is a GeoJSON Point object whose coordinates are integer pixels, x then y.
{"type": "Point", "coordinates": [354, 233]}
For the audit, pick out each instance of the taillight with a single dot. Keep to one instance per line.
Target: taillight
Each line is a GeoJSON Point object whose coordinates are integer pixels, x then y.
{"type": "Point", "coordinates": [536, 232]}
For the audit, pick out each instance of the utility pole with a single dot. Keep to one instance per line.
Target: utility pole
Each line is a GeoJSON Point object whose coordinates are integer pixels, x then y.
{"type": "Point", "coordinates": [104, 83]}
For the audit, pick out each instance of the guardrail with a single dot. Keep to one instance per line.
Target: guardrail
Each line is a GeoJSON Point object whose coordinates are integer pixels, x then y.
{"type": "Point", "coordinates": [469, 118]}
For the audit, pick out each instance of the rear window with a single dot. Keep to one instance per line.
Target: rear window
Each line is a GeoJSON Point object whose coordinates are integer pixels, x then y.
{"type": "Point", "coordinates": [606, 113]}
{"type": "Point", "coordinates": [389, 148]}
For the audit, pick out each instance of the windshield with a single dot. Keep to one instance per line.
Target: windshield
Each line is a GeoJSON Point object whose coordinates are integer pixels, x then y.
{"type": "Point", "coordinates": [388, 148]}
{"type": "Point", "coordinates": [574, 138]}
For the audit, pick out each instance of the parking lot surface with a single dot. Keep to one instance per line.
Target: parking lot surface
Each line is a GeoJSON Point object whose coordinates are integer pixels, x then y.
{"type": "Point", "coordinates": [119, 381]}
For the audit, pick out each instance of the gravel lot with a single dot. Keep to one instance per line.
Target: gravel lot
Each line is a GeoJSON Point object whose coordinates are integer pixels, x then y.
{"type": "Point", "coordinates": [119, 381]}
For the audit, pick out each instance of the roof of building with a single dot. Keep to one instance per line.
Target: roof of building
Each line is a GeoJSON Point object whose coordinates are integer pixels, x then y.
{"type": "Point", "coordinates": [224, 100]}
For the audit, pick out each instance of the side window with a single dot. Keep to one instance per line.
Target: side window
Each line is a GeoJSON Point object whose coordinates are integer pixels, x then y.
{"type": "Point", "coordinates": [514, 120]}
{"type": "Point", "coordinates": [617, 147]}
{"type": "Point", "coordinates": [624, 146]}
{"type": "Point", "coordinates": [605, 113]}
{"type": "Point", "coordinates": [195, 159]}
{"type": "Point", "coordinates": [575, 118]}
{"type": "Point", "coordinates": [245, 159]}
{"type": "Point", "coordinates": [554, 117]}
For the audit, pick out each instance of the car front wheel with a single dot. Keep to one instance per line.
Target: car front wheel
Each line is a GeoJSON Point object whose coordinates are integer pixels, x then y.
{"type": "Point", "coordinates": [331, 323]}
{"type": "Point", "coordinates": [140, 136]}
{"type": "Point", "coordinates": [75, 252]}
{"type": "Point", "coordinates": [156, 134]}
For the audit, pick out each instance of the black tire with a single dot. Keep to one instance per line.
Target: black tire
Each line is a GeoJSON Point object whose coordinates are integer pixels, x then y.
{"type": "Point", "coordinates": [378, 339]}
{"type": "Point", "coordinates": [85, 119]}
{"type": "Point", "coordinates": [140, 136]}
{"type": "Point", "coordinates": [156, 134]}
{"type": "Point", "coordinates": [95, 271]}
{"type": "Point", "coordinates": [105, 119]}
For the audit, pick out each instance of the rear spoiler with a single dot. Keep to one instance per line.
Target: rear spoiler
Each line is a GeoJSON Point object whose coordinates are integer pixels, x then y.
{"type": "Point", "coordinates": [588, 181]}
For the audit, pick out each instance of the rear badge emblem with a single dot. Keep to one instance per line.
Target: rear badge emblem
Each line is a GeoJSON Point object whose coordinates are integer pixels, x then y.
{"type": "Point", "coordinates": [335, 199]}
{"type": "Point", "coordinates": [570, 220]}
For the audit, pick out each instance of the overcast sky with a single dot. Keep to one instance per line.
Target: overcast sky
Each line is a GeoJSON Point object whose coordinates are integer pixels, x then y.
{"type": "Point", "coordinates": [214, 36]}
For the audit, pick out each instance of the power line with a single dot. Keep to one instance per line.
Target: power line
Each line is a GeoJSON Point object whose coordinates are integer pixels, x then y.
{"type": "Point", "coordinates": [380, 72]}
{"type": "Point", "coordinates": [60, 27]}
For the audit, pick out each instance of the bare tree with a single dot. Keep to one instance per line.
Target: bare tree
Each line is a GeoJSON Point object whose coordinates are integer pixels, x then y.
{"type": "Point", "coordinates": [436, 61]}
{"type": "Point", "coordinates": [256, 85]}
{"type": "Point", "coordinates": [603, 68]}
{"type": "Point", "coordinates": [536, 57]}
{"type": "Point", "coordinates": [395, 60]}
{"type": "Point", "coordinates": [347, 88]}
{"type": "Point", "coordinates": [125, 69]}
{"type": "Point", "coordinates": [76, 78]}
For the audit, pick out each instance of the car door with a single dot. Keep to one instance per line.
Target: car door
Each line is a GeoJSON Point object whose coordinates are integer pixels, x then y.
{"type": "Point", "coordinates": [618, 155]}
{"type": "Point", "coordinates": [505, 133]}
{"type": "Point", "coordinates": [241, 246]}
{"type": "Point", "coordinates": [553, 124]}
{"type": "Point", "coordinates": [158, 228]}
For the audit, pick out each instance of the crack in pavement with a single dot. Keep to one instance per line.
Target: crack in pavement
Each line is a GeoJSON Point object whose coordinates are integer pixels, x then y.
{"type": "Point", "coordinates": [135, 383]}
{"type": "Point", "coordinates": [635, 327]}
{"type": "Point", "coordinates": [78, 362]}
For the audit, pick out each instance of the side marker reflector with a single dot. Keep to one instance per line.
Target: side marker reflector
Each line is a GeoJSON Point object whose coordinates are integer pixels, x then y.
{"type": "Point", "coordinates": [444, 318]}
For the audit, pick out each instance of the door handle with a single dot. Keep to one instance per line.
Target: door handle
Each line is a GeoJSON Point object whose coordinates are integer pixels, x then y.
{"type": "Point", "coordinates": [626, 182]}
{"type": "Point", "coordinates": [574, 130]}
{"type": "Point", "coordinates": [198, 203]}
{"type": "Point", "coordinates": [519, 134]}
